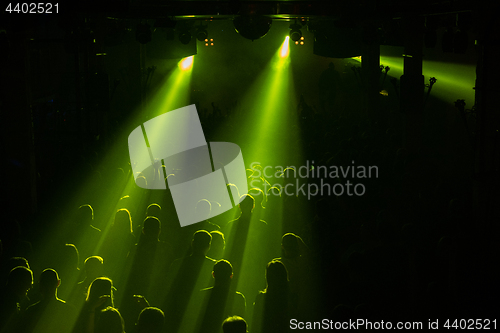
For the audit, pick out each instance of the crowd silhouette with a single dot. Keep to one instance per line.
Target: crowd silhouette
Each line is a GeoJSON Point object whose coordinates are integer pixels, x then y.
{"type": "Point", "coordinates": [405, 250]}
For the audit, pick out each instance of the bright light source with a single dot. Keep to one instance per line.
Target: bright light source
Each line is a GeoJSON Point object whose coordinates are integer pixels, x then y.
{"type": "Point", "coordinates": [301, 43]}
{"type": "Point", "coordinates": [302, 38]}
{"type": "Point", "coordinates": [212, 44]}
{"type": "Point", "coordinates": [186, 63]}
{"type": "Point", "coordinates": [206, 44]}
{"type": "Point", "coordinates": [285, 50]}
{"type": "Point", "coordinates": [297, 42]}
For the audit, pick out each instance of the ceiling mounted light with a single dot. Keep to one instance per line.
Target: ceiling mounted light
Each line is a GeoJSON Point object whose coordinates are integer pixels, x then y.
{"type": "Point", "coordinates": [201, 33]}
{"type": "Point", "coordinates": [295, 32]}
{"type": "Point", "coordinates": [252, 26]}
{"type": "Point", "coordinates": [184, 31]}
{"type": "Point", "coordinates": [185, 37]}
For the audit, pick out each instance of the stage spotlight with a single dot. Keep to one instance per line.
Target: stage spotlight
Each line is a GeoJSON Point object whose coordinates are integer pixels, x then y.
{"type": "Point", "coordinates": [185, 37]}
{"type": "Point", "coordinates": [295, 33]}
{"type": "Point", "coordinates": [143, 33]}
{"type": "Point", "coordinates": [252, 26]}
{"type": "Point", "coordinates": [201, 33]}
{"type": "Point", "coordinates": [285, 50]}
{"type": "Point", "coordinates": [186, 63]}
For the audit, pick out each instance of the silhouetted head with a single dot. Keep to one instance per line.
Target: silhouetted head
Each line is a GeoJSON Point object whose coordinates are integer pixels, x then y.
{"type": "Point", "coordinates": [273, 196]}
{"type": "Point", "coordinates": [85, 215]}
{"type": "Point", "coordinates": [151, 320]}
{"type": "Point", "coordinates": [110, 321]}
{"type": "Point", "coordinates": [223, 271]}
{"type": "Point", "coordinates": [17, 261]}
{"type": "Point", "coordinates": [233, 189]}
{"type": "Point", "coordinates": [247, 203]}
{"type": "Point", "coordinates": [217, 245]}
{"type": "Point", "coordinates": [203, 208]}
{"type": "Point", "coordinates": [290, 245]}
{"type": "Point", "coordinates": [151, 227]}
{"type": "Point", "coordinates": [100, 287]}
{"type": "Point", "coordinates": [276, 276]}
{"type": "Point", "coordinates": [331, 65]}
{"type": "Point", "coordinates": [49, 281]}
{"type": "Point", "coordinates": [93, 266]}
{"type": "Point", "coordinates": [201, 242]}
{"type": "Point", "coordinates": [234, 324]}
{"type": "Point", "coordinates": [20, 280]}
{"type": "Point", "coordinates": [153, 210]}
{"type": "Point", "coordinates": [125, 201]}
{"type": "Point", "coordinates": [64, 259]}
{"type": "Point", "coordinates": [123, 221]}
{"type": "Point", "coordinates": [141, 182]}
{"type": "Point", "coordinates": [259, 197]}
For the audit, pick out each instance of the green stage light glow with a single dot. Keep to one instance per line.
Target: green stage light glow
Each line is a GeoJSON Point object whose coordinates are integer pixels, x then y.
{"type": "Point", "coordinates": [272, 140]}
{"type": "Point", "coordinates": [174, 92]}
{"type": "Point", "coordinates": [454, 81]}
{"type": "Point", "coordinates": [285, 48]}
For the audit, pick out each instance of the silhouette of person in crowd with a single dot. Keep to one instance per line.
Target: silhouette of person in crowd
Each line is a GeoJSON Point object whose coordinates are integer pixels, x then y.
{"type": "Point", "coordinates": [150, 258]}
{"type": "Point", "coordinates": [117, 244]}
{"type": "Point", "coordinates": [234, 324]}
{"type": "Point", "coordinates": [217, 246]}
{"type": "Point", "coordinates": [221, 300]}
{"type": "Point", "coordinates": [65, 260]}
{"type": "Point", "coordinates": [82, 233]}
{"type": "Point", "coordinates": [203, 208]}
{"type": "Point", "coordinates": [186, 276]}
{"type": "Point", "coordinates": [94, 268]}
{"type": "Point", "coordinates": [151, 320]}
{"type": "Point", "coordinates": [246, 231]}
{"type": "Point", "coordinates": [10, 264]}
{"type": "Point", "coordinates": [13, 295]}
{"type": "Point", "coordinates": [110, 321]}
{"type": "Point", "coordinates": [50, 314]}
{"type": "Point", "coordinates": [273, 306]}
{"type": "Point", "coordinates": [294, 256]}
{"type": "Point", "coordinates": [99, 297]}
